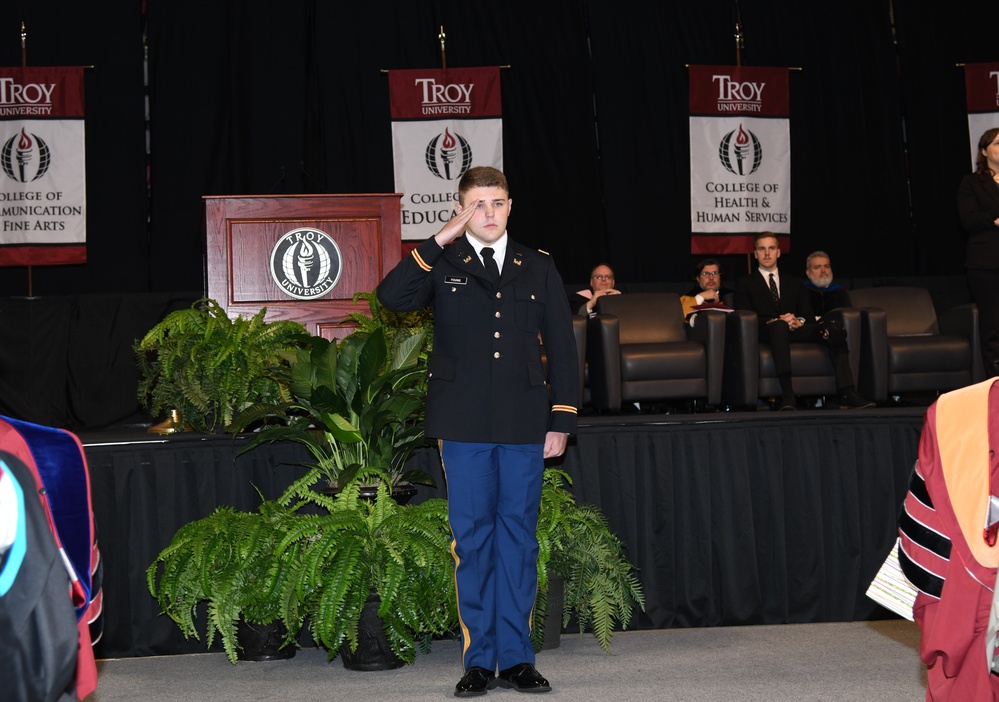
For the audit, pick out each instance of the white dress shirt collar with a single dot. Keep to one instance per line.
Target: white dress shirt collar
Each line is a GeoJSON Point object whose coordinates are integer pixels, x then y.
{"type": "Point", "coordinates": [499, 249]}
{"type": "Point", "coordinates": [766, 275]}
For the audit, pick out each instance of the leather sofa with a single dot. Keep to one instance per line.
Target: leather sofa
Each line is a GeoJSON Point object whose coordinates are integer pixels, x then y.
{"type": "Point", "coordinates": [750, 374]}
{"type": "Point", "coordinates": [907, 349]}
{"type": "Point", "coordinates": [640, 350]}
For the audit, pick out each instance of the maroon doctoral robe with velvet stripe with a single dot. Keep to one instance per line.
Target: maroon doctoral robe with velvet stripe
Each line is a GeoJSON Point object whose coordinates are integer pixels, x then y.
{"type": "Point", "coordinates": [944, 549]}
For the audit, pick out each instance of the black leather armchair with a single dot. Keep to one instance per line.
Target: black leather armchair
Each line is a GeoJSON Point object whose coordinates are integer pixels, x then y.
{"type": "Point", "coordinates": [749, 365]}
{"type": "Point", "coordinates": [639, 349]}
{"type": "Point", "coordinates": [579, 326]}
{"type": "Point", "coordinates": [907, 349]}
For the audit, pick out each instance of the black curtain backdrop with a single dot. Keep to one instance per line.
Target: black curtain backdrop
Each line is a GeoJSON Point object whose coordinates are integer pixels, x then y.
{"type": "Point", "coordinates": [255, 97]}
{"type": "Point", "coordinates": [933, 44]}
{"type": "Point", "coordinates": [771, 523]}
{"type": "Point", "coordinates": [69, 361]}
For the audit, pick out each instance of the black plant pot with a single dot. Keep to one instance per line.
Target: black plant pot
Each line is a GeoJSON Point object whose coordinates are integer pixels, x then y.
{"type": "Point", "coordinates": [401, 492]}
{"type": "Point", "coordinates": [263, 642]}
{"type": "Point", "coordinates": [373, 649]}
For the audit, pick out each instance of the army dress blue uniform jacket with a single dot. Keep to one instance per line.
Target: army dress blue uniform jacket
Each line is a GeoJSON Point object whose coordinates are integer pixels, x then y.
{"type": "Point", "coordinates": [486, 379]}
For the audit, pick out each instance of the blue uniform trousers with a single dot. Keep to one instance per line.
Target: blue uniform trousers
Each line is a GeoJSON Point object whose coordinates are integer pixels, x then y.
{"type": "Point", "coordinates": [494, 491]}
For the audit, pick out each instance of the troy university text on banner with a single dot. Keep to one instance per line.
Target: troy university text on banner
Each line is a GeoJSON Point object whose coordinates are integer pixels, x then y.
{"type": "Point", "coordinates": [740, 166]}
{"type": "Point", "coordinates": [443, 123]}
{"type": "Point", "coordinates": [43, 190]}
{"type": "Point", "coordinates": [981, 82]}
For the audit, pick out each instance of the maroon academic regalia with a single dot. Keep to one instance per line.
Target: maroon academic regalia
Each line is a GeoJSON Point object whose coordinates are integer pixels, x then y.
{"type": "Point", "coordinates": [945, 551]}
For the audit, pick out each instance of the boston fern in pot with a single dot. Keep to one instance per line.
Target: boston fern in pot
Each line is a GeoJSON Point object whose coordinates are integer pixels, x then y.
{"type": "Point", "coordinates": [209, 367]}
{"type": "Point", "coordinates": [367, 555]}
{"type": "Point", "coordinates": [230, 562]}
{"type": "Point", "coordinates": [576, 544]}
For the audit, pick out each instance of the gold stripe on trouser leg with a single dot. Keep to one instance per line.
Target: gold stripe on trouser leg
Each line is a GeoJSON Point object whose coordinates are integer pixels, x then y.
{"type": "Point", "coordinates": [454, 555]}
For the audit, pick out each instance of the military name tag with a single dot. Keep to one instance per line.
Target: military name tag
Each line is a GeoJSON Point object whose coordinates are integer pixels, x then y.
{"type": "Point", "coordinates": [456, 279]}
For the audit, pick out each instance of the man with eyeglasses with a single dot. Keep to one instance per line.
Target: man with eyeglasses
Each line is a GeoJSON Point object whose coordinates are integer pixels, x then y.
{"type": "Point", "coordinates": [709, 293]}
{"type": "Point", "coordinates": [601, 283]}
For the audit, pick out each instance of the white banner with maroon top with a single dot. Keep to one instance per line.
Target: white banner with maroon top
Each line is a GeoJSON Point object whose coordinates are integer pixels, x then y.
{"type": "Point", "coordinates": [43, 187]}
{"type": "Point", "coordinates": [981, 83]}
{"type": "Point", "coordinates": [444, 121]}
{"type": "Point", "coordinates": [740, 157]}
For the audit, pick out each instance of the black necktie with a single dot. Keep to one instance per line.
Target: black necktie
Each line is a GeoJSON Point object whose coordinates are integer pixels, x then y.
{"type": "Point", "coordinates": [491, 268]}
{"type": "Point", "coordinates": [773, 290]}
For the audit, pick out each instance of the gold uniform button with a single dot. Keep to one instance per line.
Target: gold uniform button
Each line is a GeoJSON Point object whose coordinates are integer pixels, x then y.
{"type": "Point", "coordinates": [496, 354]}
{"type": "Point", "coordinates": [496, 335]}
{"type": "Point", "coordinates": [533, 298]}
{"type": "Point", "coordinates": [497, 314]}
{"type": "Point", "coordinates": [454, 289]}
{"type": "Point", "coordinates": [499, 295]}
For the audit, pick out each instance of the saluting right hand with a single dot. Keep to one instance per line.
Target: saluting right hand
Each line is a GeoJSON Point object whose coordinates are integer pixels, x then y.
{"type": "Point", "coordinates": [455, 226]}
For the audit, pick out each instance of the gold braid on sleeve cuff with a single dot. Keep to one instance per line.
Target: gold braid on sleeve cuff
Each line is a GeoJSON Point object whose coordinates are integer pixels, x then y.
{"type": "Point", "coordinates": [564, 408]}
{"type": "Point", "coordinates": [420, 262]}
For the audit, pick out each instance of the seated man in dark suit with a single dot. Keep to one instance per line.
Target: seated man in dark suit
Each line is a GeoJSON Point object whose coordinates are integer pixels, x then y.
{"type": "Point", "coordinates": [823, 292]}
{"type": "Point", "coordinates": [786, 316]}
{"type": "Point", "coordinates": [709, 293]}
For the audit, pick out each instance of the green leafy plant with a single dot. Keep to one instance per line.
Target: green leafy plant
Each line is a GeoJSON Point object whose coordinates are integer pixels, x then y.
{"type": "Point", "coordinates": [230, 561]}
{"type": "Point", "coordinates": [397, 326]}
{"type": "Point", "coordinates": [354, 406]}
{"type": "Point", "coordinates": [209, 367]}
{"type": "Point", "coordinates": [362, 547]}
{"type": "Point", "coordinates": [576, 543]}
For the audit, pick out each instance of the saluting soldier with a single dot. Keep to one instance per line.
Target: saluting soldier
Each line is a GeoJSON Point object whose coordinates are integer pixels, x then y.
{"type": "Point", "coordinates": [496, 417]}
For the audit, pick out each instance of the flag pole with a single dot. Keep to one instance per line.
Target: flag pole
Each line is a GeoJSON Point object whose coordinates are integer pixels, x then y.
{"type": "Point", "coordinates": [24, 64]}
{"type": "Point", "coordinates": [739, 46]}
{"type": "Point", "coordinates": [739, 43]}
{"type": "Point", "coordinates": [443, 53]}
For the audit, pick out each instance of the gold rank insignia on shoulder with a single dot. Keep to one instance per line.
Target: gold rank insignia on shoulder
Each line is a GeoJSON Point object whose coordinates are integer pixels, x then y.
{"type": "Point", "coordinates": [544, 252]}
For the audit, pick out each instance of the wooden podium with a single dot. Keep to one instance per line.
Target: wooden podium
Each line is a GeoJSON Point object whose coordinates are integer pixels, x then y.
{"type": "Point", "coordinates": [303, 257]}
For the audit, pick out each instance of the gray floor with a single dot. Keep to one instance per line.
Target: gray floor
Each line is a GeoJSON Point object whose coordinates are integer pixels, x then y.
{"type": "Point", "coordinates": [869, 661]}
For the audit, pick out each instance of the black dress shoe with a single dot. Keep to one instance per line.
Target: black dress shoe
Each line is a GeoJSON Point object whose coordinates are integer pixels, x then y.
{"type": "Point", "coordinates": [476, 681]}
{"type": "Point", "coordinates": [788, 402]}
{"type": "Point", "coordinates": [523, 678]}
{"type": "Point", "coordinates": [851, 400]}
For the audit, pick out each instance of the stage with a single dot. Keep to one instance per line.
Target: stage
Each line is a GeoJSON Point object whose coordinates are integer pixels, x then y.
{"type": "Point", "coordinates": [732, 518]}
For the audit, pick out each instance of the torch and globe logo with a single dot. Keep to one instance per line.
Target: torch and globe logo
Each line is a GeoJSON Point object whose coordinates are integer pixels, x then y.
{"type": "Point", "coordinates": [448, 155]}
{"type": "Point", "coordinates": [306, 263]}
{"type": "Point", "coordinates": [25, 157]}
{"type": "Point", "coordinates": [740, 152]}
